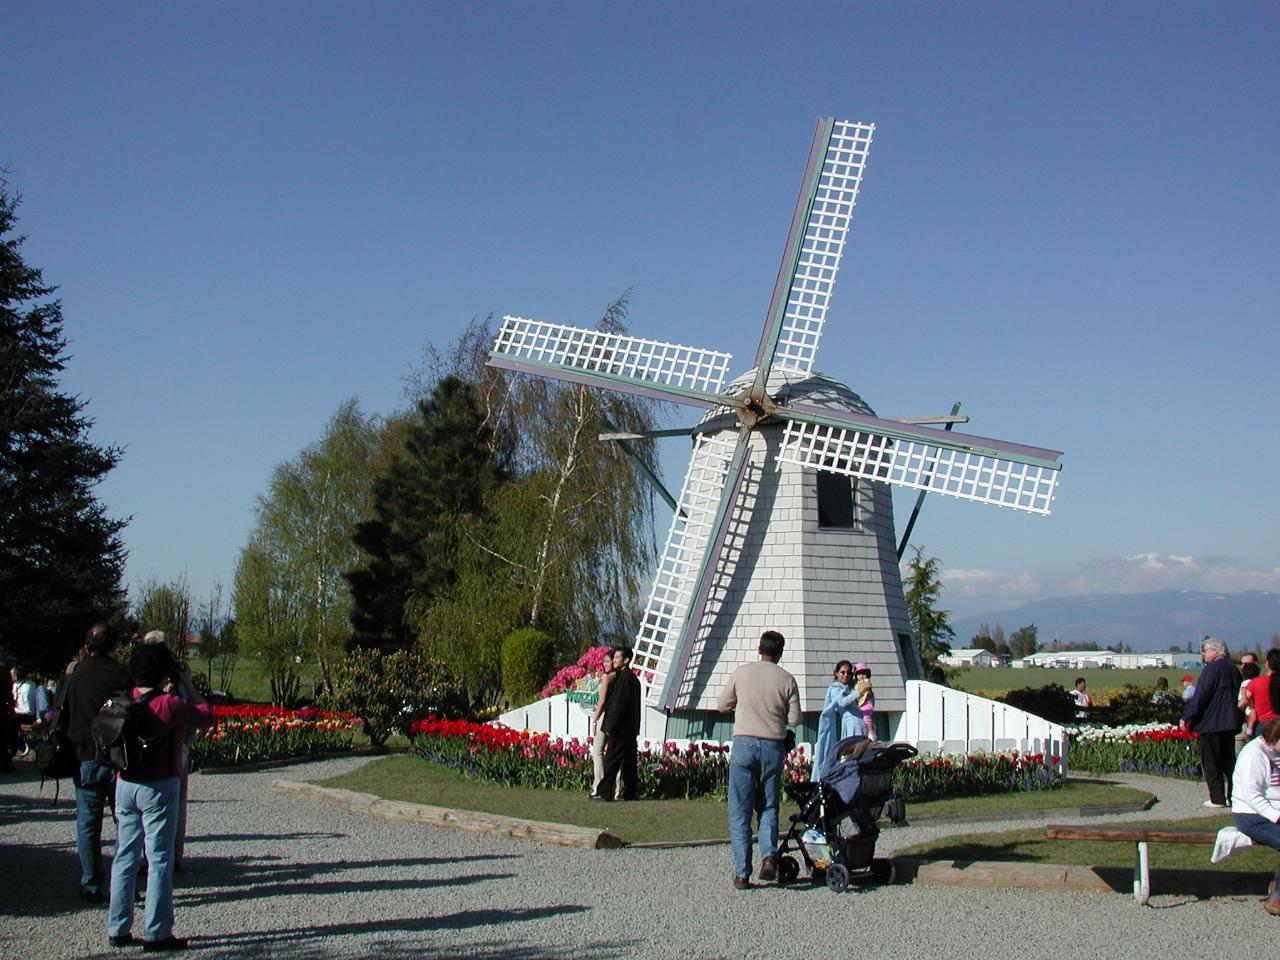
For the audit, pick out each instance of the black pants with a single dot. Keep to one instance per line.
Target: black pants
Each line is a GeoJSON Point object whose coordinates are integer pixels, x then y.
{"type": "Point", "coordinates": [1218, 757]}
{"type": "Point", "coordinates": [619, 756]}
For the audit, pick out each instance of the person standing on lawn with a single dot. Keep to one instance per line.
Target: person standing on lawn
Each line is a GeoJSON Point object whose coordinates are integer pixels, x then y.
{"type": "Point", "coordinates": [1213, 714]}
{"type": "Point", "coordinates": [1255, 799]}
{"type": "Point", "coordinates": [597, 741]}
{"type": "Point", "coordinates": [764, 700]}
{"type": "Point", "coordinates": [621, 727]}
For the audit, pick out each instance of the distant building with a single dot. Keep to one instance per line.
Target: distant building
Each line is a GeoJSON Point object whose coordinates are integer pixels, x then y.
{"type": "Point", "coordinates": [969, 658]}
{"type": "Point", "coordinates": [1092, 659]}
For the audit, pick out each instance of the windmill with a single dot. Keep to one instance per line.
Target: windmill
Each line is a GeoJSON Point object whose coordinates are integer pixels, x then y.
{"type": "Point", "coordinates": [785, 516]}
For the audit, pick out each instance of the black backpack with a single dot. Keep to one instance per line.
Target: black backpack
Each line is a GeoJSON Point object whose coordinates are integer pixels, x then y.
{"type": "Point", "coordinates": [126, 734]}
{"type": "Point", "coordinates": [55, 753]}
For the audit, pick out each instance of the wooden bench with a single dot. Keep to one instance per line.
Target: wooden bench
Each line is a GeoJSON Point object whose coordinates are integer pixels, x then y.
{"type": "Point", "coordinates": [1138, 835]}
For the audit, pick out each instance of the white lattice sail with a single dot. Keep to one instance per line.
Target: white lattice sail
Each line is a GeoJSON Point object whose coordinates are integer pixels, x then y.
{"type": "Point", "coordinates": [613, 355]}
{"type": "Point", "coordinates": [921, 465]}
{"type": "Point", "coordinates": [825, 232]}
{"type": "Point", "coordinates": [687, 544]}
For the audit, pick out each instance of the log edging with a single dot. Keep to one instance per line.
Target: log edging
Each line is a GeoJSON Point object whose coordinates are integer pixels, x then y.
{"type": "Point", "coordinates": [472, 821]}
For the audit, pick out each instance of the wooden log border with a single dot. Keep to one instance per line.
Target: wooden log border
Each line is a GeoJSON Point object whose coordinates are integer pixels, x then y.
{"type": "Point", "coordinates": [490, 824]}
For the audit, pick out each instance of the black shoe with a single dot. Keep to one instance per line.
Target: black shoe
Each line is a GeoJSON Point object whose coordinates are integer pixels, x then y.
{"type": "Point", "coordinates": [168, 943]}
{"type": "Point", "coordinates": [122, 940]}
{"type": "Point", "coordinates": [91, 896]}
{"type": "Point", "coordinates": [603, 799]}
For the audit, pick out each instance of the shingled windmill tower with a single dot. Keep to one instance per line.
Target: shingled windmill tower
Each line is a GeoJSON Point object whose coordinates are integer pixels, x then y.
{"type": "Point", "coordinates": [785, 518]}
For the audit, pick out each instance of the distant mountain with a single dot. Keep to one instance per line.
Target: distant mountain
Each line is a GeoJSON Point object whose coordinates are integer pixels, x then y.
{"type": "Point", "coordinates": [1145, 621]}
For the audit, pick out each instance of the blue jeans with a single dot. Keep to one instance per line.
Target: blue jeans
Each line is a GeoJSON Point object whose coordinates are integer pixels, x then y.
{"type": "Point", "coordinates": [1258, 829]}
{"type": "Point", "coordinates": [146, 813]}
{"type": "Point", "coordinates": [755, 776]}
{"type": "Point", "coordinates": [93, 788]}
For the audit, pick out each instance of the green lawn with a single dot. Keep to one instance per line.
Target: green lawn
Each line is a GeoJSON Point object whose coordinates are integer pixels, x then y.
{"type": "Point", "coordinates": [248, 682]}
{"type": "Point", "coordinates": [1003, 679]}
{"type": "Point", "coordinates": [1030, 846]}
{"type": "Point", "coordinates": [651, 821]}
{"type": "Point", "coordinates": [976, 680]}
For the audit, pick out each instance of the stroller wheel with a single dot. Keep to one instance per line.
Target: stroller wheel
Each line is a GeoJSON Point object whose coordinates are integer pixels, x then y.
{"type": "Point", "coordinates": [837, 877]}
{"type": "Point", "coordinates": [788, 869]}
{"type": "Point", "coordinates": [883, 871]}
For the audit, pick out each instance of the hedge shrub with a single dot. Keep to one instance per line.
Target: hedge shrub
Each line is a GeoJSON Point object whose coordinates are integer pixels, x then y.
{"type": "Point", "coordinates": [390, 691]}
{"type": "Point", "coordinates": [1050, 702]}
{"type": "Point", "coordinates": [527, 658]}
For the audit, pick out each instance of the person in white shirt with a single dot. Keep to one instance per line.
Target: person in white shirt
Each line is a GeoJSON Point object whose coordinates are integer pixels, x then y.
{"type": "Point", "coordinates": [30, 700]}
{"type": "Point", "coordinates": [1255, 796]}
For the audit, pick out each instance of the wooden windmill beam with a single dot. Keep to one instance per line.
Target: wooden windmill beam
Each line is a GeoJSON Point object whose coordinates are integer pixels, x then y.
{"type": "Point", "coordinates": [915, 512]}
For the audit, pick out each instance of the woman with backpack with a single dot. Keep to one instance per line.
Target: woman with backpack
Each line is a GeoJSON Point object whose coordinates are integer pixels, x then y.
{"type": "Point", "coordinates": [147, 794]}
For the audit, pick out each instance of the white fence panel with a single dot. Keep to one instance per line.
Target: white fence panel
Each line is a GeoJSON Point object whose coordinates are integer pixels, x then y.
{"type": "Point", "coordinates": [937, 718]}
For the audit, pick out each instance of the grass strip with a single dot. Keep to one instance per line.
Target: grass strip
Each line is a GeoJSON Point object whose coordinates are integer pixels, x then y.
{"type": "Point", "coordinates": [1030, 846]}
{"type": "Point", "coordinates": [1072, 797]}
{"type": "Point", "coordinates": [414, 780]}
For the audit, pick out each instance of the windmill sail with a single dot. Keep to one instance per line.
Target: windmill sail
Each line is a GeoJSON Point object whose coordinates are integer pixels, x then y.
{"type": "Point", "coordinates": [664, 371]}
{"type": "Point", "coordinates": [807, 275]}
{"type": "Point", "coordinates": [687, 560]}
{"type": "Point", "coordinates": [938, 461]}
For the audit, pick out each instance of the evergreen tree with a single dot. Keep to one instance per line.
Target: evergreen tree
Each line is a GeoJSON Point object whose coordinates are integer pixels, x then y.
{"type": "Point", "coordinates": [422, 502]}
{"type": "Point", "coordinates": [931, 626]}
{"type": "Point", "coordinates": [61, 558]}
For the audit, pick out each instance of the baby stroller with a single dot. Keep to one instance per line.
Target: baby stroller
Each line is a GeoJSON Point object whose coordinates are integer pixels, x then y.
{"type": "Point", "coordinates": [836, 829]}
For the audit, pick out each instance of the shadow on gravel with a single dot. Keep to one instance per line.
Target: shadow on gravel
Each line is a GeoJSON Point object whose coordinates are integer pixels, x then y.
{"type": "Point", "coordinates": [261, 837]}
{"type": "Point", "coordinates": [220, 879]}
{"type": "Point", "coordinates": [311, 941]}
{"type": "Point", "coordinates": [319, 888]}
{"type": "Point", "coordinates": [40, 881]}
{"type": "Point", "coordinates": [20, 810]}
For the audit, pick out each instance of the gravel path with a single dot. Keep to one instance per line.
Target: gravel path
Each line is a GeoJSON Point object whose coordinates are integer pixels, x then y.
{"type": "Point", "coordinates": [268, 876]}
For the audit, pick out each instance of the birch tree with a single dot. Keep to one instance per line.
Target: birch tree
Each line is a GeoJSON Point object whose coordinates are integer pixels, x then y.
{"type": "Point", "coordinates": [568, 540]}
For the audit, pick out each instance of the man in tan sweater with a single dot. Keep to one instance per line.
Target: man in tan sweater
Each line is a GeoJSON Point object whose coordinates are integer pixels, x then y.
{"type": "Point", "coordinates": [764, 700]}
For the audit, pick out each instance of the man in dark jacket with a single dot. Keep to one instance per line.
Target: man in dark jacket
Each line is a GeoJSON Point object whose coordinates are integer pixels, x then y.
{"type": "Point", "coordinates": [95, 679]}
{"type": "Point", "coordinates": [621, 726]}
{"type": "Point", "coordinates": [1212, 713]}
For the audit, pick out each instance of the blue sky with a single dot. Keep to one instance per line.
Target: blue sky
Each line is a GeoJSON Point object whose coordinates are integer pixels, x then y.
{"type": "Point", "coordinates": [1068, 223]}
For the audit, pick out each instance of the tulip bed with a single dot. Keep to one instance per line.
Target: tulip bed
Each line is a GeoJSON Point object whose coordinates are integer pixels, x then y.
{"type": "Point", "coordinates": [1156, 749]}
{"type": "Point", "coordinates": [498, 754]}
{"type": "Point", "coordinates": [932, 777]}
{"type": "Point", "coordinates": [255, 734]}
{"type": "Point", "coordinates": [501, 755]}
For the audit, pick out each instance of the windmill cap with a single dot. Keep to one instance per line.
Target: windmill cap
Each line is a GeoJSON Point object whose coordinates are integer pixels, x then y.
{"type": "Point", "coordinates": [861, 667]}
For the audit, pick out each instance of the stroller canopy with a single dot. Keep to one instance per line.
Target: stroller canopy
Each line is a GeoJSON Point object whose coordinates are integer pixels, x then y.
{"type": "Point", "coordinates": [842, 770]}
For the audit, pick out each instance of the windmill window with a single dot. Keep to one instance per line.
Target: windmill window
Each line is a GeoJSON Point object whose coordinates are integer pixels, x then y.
{"type": "Point", "coordinates": [836, 501]}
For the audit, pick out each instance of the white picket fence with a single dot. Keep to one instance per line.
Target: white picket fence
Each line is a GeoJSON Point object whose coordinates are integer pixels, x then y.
{"type": "Point", "coordinates": [937, 720]}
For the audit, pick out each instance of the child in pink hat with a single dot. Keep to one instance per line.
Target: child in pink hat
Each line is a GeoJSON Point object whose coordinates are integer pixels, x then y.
{"type": "Point", "coordinates": [866, 698]}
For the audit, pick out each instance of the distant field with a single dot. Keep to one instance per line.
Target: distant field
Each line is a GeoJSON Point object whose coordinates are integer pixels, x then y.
{"type": "Point", "coordinates": [249, 683]}
{"type": "Point", "coordinates": [990, 680]}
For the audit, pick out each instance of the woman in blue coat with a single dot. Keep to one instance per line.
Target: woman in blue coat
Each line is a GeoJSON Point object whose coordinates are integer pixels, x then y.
{"type": "Point", "coordinates": [840, 717]}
